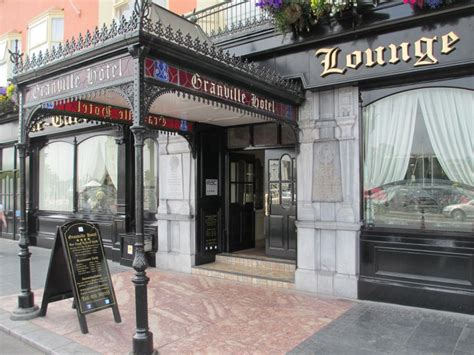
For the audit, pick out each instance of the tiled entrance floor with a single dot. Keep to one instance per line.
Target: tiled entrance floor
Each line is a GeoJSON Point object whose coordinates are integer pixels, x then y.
{"type": "Point", "coordinates": [194, 314]}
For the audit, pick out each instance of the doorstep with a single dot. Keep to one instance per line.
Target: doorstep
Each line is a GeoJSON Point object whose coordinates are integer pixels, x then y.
{"type": "Point", "coordinates": [250, 269]}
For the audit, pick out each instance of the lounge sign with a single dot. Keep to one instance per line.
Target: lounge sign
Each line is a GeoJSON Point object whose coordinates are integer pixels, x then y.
{"type": "Point", "coordinates": [92, 77]}
{"type": "Point", "coordinates": [105, 113]}
{"type": "Point", "coordinates": [162, 71]}
{"type": "Point", "coordinates": [422, 52]}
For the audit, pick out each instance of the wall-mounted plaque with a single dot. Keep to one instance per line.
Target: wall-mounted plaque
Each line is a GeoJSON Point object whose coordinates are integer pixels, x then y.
{"type": "Point", "coordinates": [212, 187]}
{"type": "Point", "coordinates": [78, 268]}
{"type": "Point", "coordinates": [171, 185]}
{"type": "Point", "coordinates": [211, 224]}
{"type": "Point", "coordinates": [327, 184]}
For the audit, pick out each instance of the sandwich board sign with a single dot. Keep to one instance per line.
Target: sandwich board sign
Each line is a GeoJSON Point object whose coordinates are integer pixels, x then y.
{"type": "Point", "coordinates": [78, 268]}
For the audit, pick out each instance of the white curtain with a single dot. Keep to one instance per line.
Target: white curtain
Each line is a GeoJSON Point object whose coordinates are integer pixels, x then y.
{"type": "Point", "coordinates": [389, 127]}
{"type": "Point", "coordinates": [449, 119]}
{"type": "Point", "coordinates": [91, 166]}
{"type": "Point", "coordinates": [110, 157]}
{"type": "Point", "coordinates": [56, 171]}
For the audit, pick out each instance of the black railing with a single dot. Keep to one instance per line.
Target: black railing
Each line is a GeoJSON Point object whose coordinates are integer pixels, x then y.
{"type": "Point", "coordinates": [229, 16]}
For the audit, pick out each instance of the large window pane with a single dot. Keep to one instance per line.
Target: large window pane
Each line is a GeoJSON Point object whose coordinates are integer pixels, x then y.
{"type": "Point", "coordinates": [7, 178]}
{"type": "Point", "coordinates": [57, 29]}
{"type": "Point", "coordinates": [419, 160]}
{"type": "Point", "coordinates": [150, 171]}
{"type": "Point", "coordinates": [56, 177]}
{"type": "Point", "coordinates": [97, 175]}
{"type": "Point", "coordinates": [38, 34]}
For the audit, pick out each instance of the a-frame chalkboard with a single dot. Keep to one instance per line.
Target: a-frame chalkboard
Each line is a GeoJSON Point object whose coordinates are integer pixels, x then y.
{"type": "Point", "coordinates": [78, 268]}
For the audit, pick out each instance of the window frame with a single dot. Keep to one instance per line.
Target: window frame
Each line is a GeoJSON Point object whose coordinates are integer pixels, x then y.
{"type": "Point", "coordinates": [47, 17]}
{"type": "Point", "coordinates": [370, 94]}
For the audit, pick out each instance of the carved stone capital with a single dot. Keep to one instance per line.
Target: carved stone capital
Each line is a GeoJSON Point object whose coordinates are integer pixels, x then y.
{"type": "Point", "coordinates": [138, 134]}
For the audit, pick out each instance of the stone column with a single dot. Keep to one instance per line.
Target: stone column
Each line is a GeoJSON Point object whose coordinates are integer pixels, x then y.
{"type": "Point", "coordinates": [176, 224]}
{"type": "Point", "coordinates": [328, 193]}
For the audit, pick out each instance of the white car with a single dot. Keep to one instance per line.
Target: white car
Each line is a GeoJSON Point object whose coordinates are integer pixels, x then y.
{"type": "Point", "coordinates": [460, 211]}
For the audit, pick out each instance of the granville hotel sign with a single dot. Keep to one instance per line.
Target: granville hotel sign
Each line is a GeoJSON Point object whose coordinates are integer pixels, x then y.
{"type": "Point", "coordinates": [96, 76]}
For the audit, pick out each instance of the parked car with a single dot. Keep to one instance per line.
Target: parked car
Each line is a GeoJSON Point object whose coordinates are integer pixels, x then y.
{"type": "Point", "coordinates": [408, 196]}
{"type": "Point", "coordinates": [460, 211]}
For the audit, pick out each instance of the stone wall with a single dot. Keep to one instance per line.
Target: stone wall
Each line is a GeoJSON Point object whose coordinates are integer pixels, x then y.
{"type": "Point", "coordinates": [176, 223]}
{"type": "Point", "coordinates": [328, 193]}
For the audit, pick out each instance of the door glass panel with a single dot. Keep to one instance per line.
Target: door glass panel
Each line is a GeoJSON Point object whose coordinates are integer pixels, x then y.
{"type": "Point", "coordinates": [287, 135]}
{"type": "Point", "coordinates": [273, 170]}
{"type": "Point", "coordinates": [294, 169]}
{"type": "Point", "coordinates": [285, 168]}
{"type": "Point", "coordinates": [248, 195]}
{"type": "Point", "coordinates": [249, 173]}
{"type": "Point", "coordinates": [274, 193]}
{"type": "Point", "coordinates": [294, 194]}
{"type": "Point", "coordinates": [233, 171]}
{"type": "Point", "coordinates": [265, 134]}
{"type": "Point", "coordinates": [238, 137]}
{"type": "Point", "coordinates": [286, 193]}
{"type": "Point", "coordinates": [233, 193]}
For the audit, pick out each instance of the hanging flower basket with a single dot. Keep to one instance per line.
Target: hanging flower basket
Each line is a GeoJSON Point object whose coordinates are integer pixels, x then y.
{"type": "Point", "coordinates": [300, 16]}
{"type": "Point", "coordinates": [7, 103]}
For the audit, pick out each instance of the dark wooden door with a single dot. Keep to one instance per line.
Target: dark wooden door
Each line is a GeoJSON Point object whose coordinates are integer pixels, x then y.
{"type": "Point", "coordinates": [280, 203]}
{"type": "Point", "coordinates": [241, 229]}
{"type": "Point", "coordinates": [210, 193]}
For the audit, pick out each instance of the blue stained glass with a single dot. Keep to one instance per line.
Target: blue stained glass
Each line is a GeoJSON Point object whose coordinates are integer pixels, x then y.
{"type": "Point", "coordinates": [161, 71]}
{"type": "Point", "coordinates": [183, 126]}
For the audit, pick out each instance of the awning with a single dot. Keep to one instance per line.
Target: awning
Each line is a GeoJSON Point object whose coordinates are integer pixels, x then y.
{"type": "Point", "coordinates": [185, 77]}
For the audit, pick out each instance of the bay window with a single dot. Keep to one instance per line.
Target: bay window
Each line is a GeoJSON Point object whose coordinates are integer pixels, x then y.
{"type": "Point", "coordinates": [45, 31]}
{"type": "Point", "coordinates": [419, 160]}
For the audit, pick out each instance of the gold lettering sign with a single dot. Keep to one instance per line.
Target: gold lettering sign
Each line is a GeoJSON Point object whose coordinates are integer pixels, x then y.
{"type": "Point", "coordinates": [423, 51]}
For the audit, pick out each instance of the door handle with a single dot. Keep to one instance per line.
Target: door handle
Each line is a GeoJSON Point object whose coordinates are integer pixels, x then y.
{"type": "Point", "coordinates": [267, 206]}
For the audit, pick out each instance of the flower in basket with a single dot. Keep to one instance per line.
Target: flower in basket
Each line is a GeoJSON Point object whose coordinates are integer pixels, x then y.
{"type": "Point", "coordinates": [289, 15]}
{"type": "Point", "coordinates": [300, 15]}
{"type": "Point", "coordinates": [7, 102]}
{"type": "Point", "coordinates": [431, 4]}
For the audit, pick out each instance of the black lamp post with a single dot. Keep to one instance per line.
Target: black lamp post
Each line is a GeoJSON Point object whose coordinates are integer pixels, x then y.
{"type": "Point", "coordinates": [26, 305]}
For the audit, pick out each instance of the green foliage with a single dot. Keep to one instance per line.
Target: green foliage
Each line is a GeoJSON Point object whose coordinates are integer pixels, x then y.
{"type": "Point", "coordinates": [300, 15]}
{"type": "Point", "coordinates": [7, 103]}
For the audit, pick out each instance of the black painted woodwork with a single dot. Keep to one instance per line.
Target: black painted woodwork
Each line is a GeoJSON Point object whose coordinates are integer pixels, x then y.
{"type": "Point", "coordinates": [210, 219]}
{"type": "Point", "coordinates": [241, 230]}
{"type": "Point", "coordinates": [279, 225]}
{"type": "Point", "coordinates": [418, 268]}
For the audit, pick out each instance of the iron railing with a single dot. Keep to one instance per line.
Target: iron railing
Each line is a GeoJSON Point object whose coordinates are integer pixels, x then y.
{"type": "Point", "coordinates": [229, 16]}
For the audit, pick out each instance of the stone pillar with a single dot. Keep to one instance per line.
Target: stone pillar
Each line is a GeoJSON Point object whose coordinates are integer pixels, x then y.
{"type": "Point", "coordinates": [328, 193]}
{"type": "Point", "coordinates": [176, 209]}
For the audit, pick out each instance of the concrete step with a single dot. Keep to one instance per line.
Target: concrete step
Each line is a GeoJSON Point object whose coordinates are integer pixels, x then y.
{"type": "Point", "coordinates": [257, 262]}
{"type": "Point", "coordinates": [249, 274]}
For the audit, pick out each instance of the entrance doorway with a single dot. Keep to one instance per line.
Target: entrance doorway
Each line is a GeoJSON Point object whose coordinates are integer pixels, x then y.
{"type": "Point", "coordinates": [262, 203]}
{"type": "Point", "coordinates": [280, 203]}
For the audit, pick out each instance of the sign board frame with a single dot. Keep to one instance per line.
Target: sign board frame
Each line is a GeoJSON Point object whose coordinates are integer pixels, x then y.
{"type": "Point", "coordinates": [64, 271]}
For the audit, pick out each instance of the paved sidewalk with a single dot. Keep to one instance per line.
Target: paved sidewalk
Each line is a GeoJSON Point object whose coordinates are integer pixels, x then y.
{"type": "Point", "coordinates": [197, 314]}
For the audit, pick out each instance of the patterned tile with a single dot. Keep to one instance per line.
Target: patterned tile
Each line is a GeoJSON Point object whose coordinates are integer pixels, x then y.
{"type": "Point", "coordinates": [198, 314]}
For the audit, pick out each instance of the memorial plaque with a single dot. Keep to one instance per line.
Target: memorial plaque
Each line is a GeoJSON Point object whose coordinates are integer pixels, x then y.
{"type": "Point", "coordinates": [171, 187]}
{"type": "Point", "coordinates": [327, 184]}
{"type": "Point", "coordinates": [78, 268]}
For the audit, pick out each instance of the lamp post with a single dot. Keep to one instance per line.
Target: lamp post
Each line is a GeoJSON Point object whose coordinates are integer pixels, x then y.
{"type": "Point", "coordinates": [26, 305]}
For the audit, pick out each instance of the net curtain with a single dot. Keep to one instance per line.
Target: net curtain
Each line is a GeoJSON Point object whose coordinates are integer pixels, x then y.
{"type": "Point", "coordinates": [389, 132]}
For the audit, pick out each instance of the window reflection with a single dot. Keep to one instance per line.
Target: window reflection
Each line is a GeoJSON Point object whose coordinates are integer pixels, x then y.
{"type": "Point", "coordinates": [97, 178]}
{"type": "Point", "coordinates": [418, 165]}
{"type": "Point", "coordinates": [150, 175]}
{"type": "Point", "coordinates": [56, 177]}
